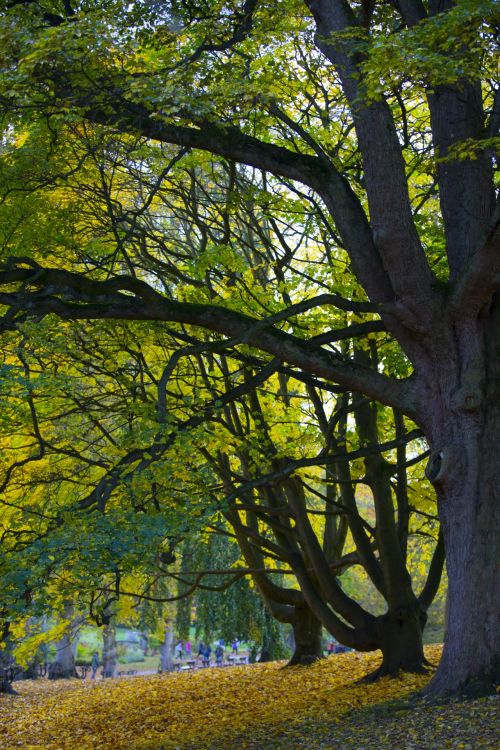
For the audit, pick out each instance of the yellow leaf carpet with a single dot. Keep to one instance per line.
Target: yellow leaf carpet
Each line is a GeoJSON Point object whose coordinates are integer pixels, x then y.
{"type": "Point", "coordinates": [200, 709]}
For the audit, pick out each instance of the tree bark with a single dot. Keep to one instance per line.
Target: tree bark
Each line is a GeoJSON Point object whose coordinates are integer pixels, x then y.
{"type": "Point", "coordinates": [470, 663]}
{"type": "Point", "coordinates": [400, 638]}
{"type": "Point", "coordinates": [109, 651]}
{"type": "Point", "coordinates": [64, 666]}
{"type": "Point", "coordinates": [307, 637]}
{"type": "Point", "coordinates": [166, 660]}
{"type": "Point", "coordinates": [32, 670]}
{"type": "Point", "coordinates": [7, 661]}
{"type": "Point", "coordinates": [470, 516]}
{"type": "Point", "coordinates": [463, 425]}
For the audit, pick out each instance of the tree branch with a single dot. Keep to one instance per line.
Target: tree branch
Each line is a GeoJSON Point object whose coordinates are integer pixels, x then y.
{"type": "Point", "coordinates": [481, 277]}
{"type": "Point", "coordinates": [75, 297]}
{"type": "Point", "coordinates": [394, 232]}
{"type": "Point", "coordinates": [429, 591]}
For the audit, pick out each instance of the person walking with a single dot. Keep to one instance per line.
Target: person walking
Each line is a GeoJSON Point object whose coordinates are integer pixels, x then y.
{"type": "Point", "coordinates": [206, 655]}
{"type": "Point", "coordinates": [94, 665]}
{"type": "Point", "coordinates": [219, 655]}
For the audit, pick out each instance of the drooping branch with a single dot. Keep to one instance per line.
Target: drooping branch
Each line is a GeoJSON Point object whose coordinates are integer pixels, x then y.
{"type": "Point", "coordinates": [332, 591]}
{"type": "Point", "coordinates": [230, 142]}
{"type": "Point", "coordinates": [74, 297]}
{"type": "Point", "coordinates": [289, 467]}
{"type": "Point", "coordinates": [355, 521]}
{"type": "Point", "coordinates": [143, 458]}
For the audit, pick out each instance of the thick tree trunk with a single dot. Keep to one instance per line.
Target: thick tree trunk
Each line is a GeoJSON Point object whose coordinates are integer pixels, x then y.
{"type": "Point", "coordinates": [400, 638]}
{"type": "Point", "coordinates": [6, 687]}
{"type": "Point", "coordinates": [64, 666]}
{"type": "Point", "coordinates": [470, 516]}
{"type": "Point", "coordinates": [109, 651]}
{"type": "Point", "coordinates": [307, 637]}
{"type": "Point", "coordinates": [32, 671]}
{"type": "Point", "coordinates": [464, 467]}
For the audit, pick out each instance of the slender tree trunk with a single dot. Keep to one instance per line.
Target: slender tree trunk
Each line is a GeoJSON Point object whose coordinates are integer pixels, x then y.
{"type": "Point", "coordinates": [31, 671]}
{"type": "Point", "coordinates": [166, 660]}
{"type": "Point", "coordinates": [109, 650]}
{"type": "Point", "coordinates": [399, 630]}
{"type": "Point", "coordinates": [307, 637]}
{"type": "Point", "coordinates": [7, 661]}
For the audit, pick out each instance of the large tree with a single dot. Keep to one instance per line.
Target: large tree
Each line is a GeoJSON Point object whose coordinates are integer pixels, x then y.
{"type": "Point", "coordinates": [375, 112]}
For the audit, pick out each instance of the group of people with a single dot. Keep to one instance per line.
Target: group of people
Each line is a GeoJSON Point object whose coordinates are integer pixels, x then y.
{"type": "Point", "coordinates": [205, 651]}
{"type": "Point", "coordinates": [182, 649]}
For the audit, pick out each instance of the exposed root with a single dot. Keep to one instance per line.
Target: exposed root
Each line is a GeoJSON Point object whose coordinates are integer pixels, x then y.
{"type": "Point", "coordinates": [7, 689]}
{"type": "Point", "coordinates": [430, 666]}
{"type": "Point", "coordinates": [385, 671]}
{"type": "Point", "coordinates": [303, 660]}
{"type": "Point", "coordinates": [439, 691]}
{"type": "Point", "coordinates": [368, 679]}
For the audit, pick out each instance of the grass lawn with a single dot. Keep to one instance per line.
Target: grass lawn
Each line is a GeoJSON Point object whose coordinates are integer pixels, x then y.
{"type": "Point", "coordinates": [254, 707]}
{"type": "Point", "coordinates": [150, 664]}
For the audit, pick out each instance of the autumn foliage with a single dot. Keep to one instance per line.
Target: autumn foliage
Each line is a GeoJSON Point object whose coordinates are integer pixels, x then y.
{"type": "Point", "coordinates": [244, 707]}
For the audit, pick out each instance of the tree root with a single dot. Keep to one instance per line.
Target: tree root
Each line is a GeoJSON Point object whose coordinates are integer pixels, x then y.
{"type": "Point", "coordinates": [303, 660]}
{"type": "Point", "coordinates": [7, 689]}
{"type": "Point", "coordinates": [385, 671]}
{"type": "Point", "coordinates": [438, 693]}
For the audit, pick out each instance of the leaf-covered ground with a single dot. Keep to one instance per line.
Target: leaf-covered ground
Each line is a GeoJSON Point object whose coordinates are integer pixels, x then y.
{"type": "Point", "coordinates": [259, 707]}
